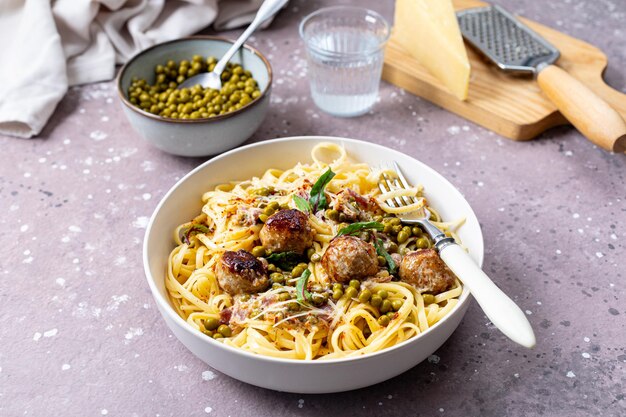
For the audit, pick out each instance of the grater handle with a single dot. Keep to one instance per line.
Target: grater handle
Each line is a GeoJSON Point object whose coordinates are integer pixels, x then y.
{"type": "Point", "coordinates": [589, 113]}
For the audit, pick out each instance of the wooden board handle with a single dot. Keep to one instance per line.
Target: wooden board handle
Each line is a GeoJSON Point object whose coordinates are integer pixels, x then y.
{"type": "Point", "coordinates": [590, 114]}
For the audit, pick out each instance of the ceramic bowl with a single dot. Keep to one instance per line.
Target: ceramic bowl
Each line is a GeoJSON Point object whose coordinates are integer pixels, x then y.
{"type": "Point", "coordinates": [196, 137]}
{"type": "Point", "coordinates": [183, 202]}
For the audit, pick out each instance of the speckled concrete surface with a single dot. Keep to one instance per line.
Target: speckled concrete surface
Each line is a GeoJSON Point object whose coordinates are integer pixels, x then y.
{"type": "Point", "coordinates": [80, 334]}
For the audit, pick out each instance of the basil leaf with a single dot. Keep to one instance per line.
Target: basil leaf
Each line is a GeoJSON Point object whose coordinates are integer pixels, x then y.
{"type": "Point", "coordinates": [284, 260]}
{"type": "Point", "coordinates": [357, 227]}
{"type": "Point", "coordinates": [302, 293]}
{"type": "Point", "coordinates": [381, 251]}
{"type": "Point", "coordinates": [194, 228]}
{"type": "Point", "coordinates": [318, 198]}
{"type": "Point", "coordinates": [301, 203]}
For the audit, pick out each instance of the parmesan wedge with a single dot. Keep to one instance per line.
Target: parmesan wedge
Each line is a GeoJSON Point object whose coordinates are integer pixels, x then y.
{"type": "Point", "coordinates": [429, 31]}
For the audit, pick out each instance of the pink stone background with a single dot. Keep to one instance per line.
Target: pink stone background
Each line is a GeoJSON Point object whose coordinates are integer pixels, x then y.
{"type": "Point", "coordinates": [80, 334]}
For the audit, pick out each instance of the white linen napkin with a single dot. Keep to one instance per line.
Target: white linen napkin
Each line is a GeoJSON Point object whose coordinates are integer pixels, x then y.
{"type": "Point", "coordinates": [47, 46]}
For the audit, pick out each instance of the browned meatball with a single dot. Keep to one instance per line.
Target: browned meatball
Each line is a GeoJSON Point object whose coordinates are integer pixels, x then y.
{"type": "Point", "coordinates": [425, 270]}
{"type": "Point", "coordinates": [240, 272]}
{"type": "Point", "coordinates": [287, 231]}
{"type": "Point", "coordinates": [348, 257]}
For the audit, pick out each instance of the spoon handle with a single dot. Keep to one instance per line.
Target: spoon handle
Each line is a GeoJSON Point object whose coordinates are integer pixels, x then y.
{"type": "Point", "coordinates": [268, 9]}
{"type": "Point", "coordinates": [497, 306]}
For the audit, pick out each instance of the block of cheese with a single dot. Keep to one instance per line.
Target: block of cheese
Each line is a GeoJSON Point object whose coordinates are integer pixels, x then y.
{"type": "Point", "coordinates": [429, 31]}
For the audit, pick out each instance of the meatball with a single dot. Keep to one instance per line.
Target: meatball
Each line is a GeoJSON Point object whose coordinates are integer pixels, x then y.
{"type": "Point", "coordinates": [348, 257]}
{"type": "Point", "coordinates": [287, 231]}
{"type": "Point", "coordinates": [240, 272]}
{"type": "Point", "coordinates": [425, 270]}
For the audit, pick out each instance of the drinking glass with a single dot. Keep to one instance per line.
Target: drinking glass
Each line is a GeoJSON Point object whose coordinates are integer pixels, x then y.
{"type": "Point", "coordinates": [345, 46]}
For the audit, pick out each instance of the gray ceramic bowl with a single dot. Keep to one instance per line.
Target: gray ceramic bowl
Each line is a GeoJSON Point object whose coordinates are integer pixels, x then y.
{"type": "Point", "coordinates": [196, 137]}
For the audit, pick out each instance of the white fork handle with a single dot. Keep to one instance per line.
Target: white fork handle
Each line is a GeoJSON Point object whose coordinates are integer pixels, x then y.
{"type": "Point", "coordinates": [498, 307]}
{"type": "Point", "coordinates": [268, 9]}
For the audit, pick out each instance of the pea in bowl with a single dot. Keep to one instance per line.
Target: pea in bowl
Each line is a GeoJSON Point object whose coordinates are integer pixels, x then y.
{"type": "Point", "coordinates": [195, 122]}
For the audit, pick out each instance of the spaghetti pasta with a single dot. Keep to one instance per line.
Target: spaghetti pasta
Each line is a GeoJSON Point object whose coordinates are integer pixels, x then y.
{"type": "Point", "coordinates": [305, 315]}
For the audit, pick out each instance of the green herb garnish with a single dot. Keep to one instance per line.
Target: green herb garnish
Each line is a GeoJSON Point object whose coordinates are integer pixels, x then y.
{"type": "Point", "coordinates": [317, 200]}
{"type": "Point", "coordinates": [302, 293]}
{"type": "Point", "coordinates": [357, 227]}
{"type": "Point", "coordinates": [301, 203]}
{"type": "Point", "coordinates": [284, 260]}
{"type": "Point", "coordinates": [381, 251]}
{"type": "Point", "coordinates": [194, 228]}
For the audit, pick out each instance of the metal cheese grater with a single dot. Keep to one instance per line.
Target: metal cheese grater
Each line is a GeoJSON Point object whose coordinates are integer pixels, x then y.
{"type": "Point", "coordinates": [514, 47]}
{"type": "Point", "coordinates": [506, 41]}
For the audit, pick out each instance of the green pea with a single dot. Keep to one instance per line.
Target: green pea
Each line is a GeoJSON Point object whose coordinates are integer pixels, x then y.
{"type": "Point", "coordinates": [385, 306]}
{"type": "Point", "coordinates": [403, 237]}
{"type": "Point", "coordinates": [332, 214]}
{"type": "Point", "coordinates": [343, 217]}
{"type": "Point", "coordinates": [316, 257]}
{"type": "Point", "coordinates": [271, 267]}
{"type": "Point", "coordinates": [387, 228]}
{"type": "Point", "coordinates": [416, 230]}
{"type": "Point", "coordinates": [297, 271]}
{"type": "Point", "coordinates": [351, 292]}
{"type": "Point", "coordinates": [391, 315]}
{"type": "Point", "coordinates": [365, 295]}
{"type": "Point", "coordinates": [284, 296]}
{"type": "Point", "coordinates": [376, 300]}
{"type": "Point", "coordinates": [225, 331]}
{"type": "Point", "coordinates": [396, 228]}
{"type": "Point", "coordinates": [211, 323]}
{"type": "Point", "coordinates": [263, 191]}
{"type": "Point", "coordinates": [395, 221]}
{"type": "Point", "coordinates": [337, 286]}
{"type": "Point", "coordinates": [381, 261]}
{"type": "Point", "coordinates": [337, 294]}
{"type": "Point", "coordinates": [383, 294]}
{"type": "Point", "coordinates": [274, 205]}
{"type": "Point", "coordinates": [396, 304]}
{"type": "Point", "coordinates": [303, 265]}
{"type": "Point", "coordinates": [355, 283]}
{"type": "Point", "coordinates": [258, 251]}
{"type": "Point", "coordinates": [318, 299]}
{"type": "Point", "coordinates": [428, 298]}
{"type": "Point", "coordinates": [422, 243]}
{"type": "Point", "coordinates": [217, 336]}
{"type": "Point", "coordinates": [268, 210]}
{"type": "Point", "coordinates": [383, 320]}
{"type": "Point", "coordinates": [393, 247]}
{"type": "Point", "coordinates": [263, 217]}
{"type": "Point", "coordinates": [310, 252]}
{"type": "Point", "coordinates": [277, 277]}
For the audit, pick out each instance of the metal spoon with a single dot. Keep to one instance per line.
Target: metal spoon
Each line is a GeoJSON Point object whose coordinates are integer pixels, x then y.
{"type": "Point", "coordinates": [213, 79]}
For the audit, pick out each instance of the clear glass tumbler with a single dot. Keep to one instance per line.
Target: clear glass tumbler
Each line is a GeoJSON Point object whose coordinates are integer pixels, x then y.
{"type": "Point", "coordinates": [345, 47]}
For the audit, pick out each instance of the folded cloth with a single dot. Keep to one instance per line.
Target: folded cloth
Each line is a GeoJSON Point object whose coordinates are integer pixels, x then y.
{"type": "Point", "coordinates": [47, 46]}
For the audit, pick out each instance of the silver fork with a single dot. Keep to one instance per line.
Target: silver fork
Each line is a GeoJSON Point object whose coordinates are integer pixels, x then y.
{"type": "Point", "coordinates": [497, 306]}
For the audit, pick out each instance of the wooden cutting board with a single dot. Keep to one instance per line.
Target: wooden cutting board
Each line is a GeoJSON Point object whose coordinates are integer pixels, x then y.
{"type": "Point", "coordinates": [512, 106]}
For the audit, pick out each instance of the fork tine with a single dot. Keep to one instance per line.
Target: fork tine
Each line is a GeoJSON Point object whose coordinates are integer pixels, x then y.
{"type": "Point", "coordinates": [381, 186]}
{"type": "Point", "coordinates": [403, 179]}
{"type": "Point", "coordinates": [393, 185]}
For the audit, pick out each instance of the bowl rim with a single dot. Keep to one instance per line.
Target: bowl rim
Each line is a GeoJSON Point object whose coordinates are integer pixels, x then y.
{"type": "Point", "coordinates": [217, 118]}
{"type": "Point", "coordinates": [165, 306]}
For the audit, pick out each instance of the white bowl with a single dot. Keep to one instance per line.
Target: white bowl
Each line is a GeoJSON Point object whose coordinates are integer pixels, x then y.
{"type": "Point", "coordinates": [196, 137]}
{"type": "Point", "coordinates": [183, 202]}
